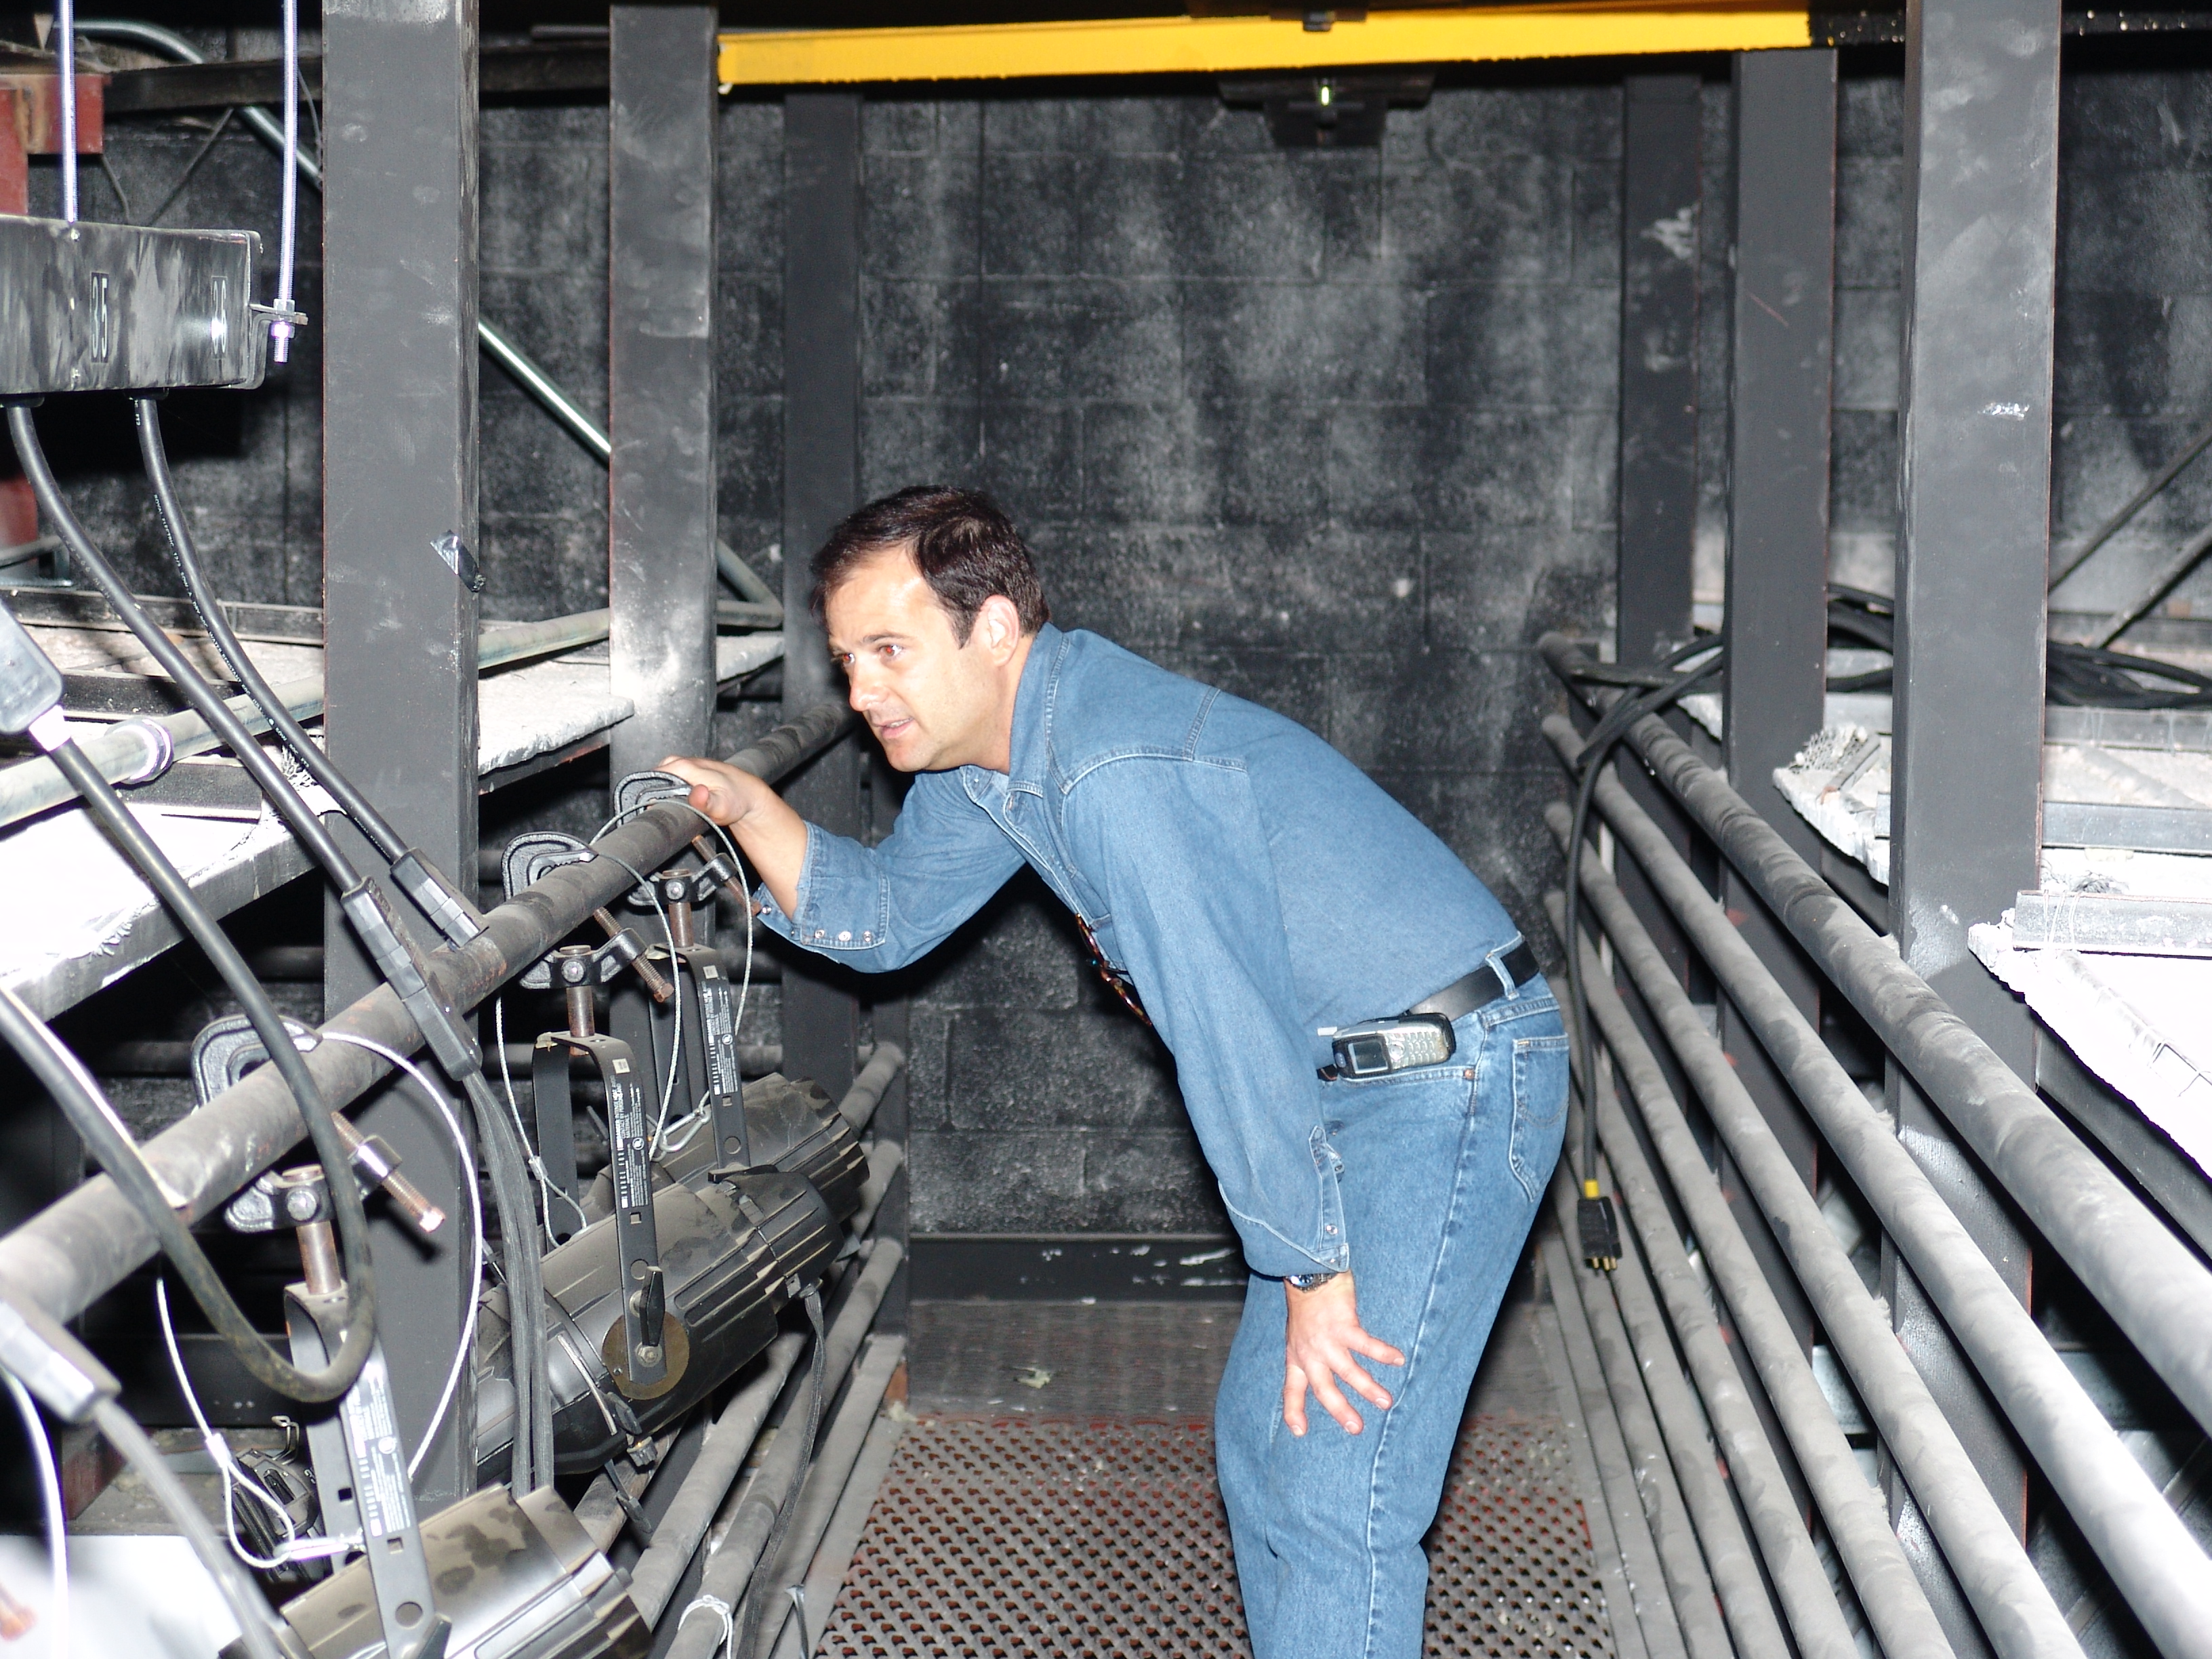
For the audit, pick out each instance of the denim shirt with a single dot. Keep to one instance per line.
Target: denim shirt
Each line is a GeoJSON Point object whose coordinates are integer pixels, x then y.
{"type": "Point", "coordinates": [1254, 885]}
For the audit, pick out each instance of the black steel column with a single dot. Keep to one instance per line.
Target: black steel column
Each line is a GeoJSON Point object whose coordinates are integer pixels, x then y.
{"type": "Point", "coordinates": [1660, 202]}
{"type": "Point", "coordinates": [399, 516]}
{"type": "Point", "coordinates": [1981, 228]}
{"type": "Point", "coordinates": [821, 486]}
{"type": "Point", "coordinates": [1661, 208]}
{"type": "Point", "coordinates": [660, 379]}
{"type": "Point", "coordinates": [1783, 325]}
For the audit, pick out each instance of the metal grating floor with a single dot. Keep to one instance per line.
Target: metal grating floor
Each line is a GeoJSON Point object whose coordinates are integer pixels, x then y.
{"type": "Point", "coordinates": [1011, 1537]}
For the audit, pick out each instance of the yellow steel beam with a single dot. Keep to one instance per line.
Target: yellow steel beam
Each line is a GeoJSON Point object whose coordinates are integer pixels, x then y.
{"type": "Point", "coordinates": [1212, 45]}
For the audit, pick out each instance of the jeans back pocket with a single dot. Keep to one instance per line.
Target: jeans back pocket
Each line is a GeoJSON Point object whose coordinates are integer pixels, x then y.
{"type": "Point", "coordinates": [1539, 1109]}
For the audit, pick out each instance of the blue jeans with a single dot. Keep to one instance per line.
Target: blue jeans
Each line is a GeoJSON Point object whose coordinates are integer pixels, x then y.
{"type": "Point", "coordinates": [1443, 1170]}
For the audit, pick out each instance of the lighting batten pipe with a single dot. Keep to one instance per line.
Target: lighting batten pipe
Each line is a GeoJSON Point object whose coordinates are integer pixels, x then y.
{"type": "Point", "coordinates": [866, 1093]}
{"type": "Point", "coordinates": [1706, 1570]}
{"type": "Point", "coordinates": [2145, 1278]}
{"type": "Point", "coordinates": [2155, 1562]}
{"type": "Point", "coordinates": [816, 1501]}
{"type": "Point", "coordinates": [88, 1242]}
{"type": "Point", "coordinates": [722, 1452]}
{"type": "Point", "coordinates": [885, 1158]}
{"type": "Point", "coordinates": [2001, 1583]}
{"type": "Point", "coordinates": [1857, 1519]}
{"type": "Point", "coordinates": [730, 1568]}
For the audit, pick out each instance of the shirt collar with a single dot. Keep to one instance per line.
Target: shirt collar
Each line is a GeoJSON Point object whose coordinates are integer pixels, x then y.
{"type": "Point", "coordinates": [1030, 750]}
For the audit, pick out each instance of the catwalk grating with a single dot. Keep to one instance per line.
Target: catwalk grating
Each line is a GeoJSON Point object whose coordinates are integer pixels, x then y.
{"type": "Point", "coordinates": [1006, 1538]}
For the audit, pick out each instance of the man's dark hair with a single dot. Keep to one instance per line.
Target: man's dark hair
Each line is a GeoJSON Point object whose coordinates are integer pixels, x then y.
{"type": "Point", "coordinates": [967, 548]}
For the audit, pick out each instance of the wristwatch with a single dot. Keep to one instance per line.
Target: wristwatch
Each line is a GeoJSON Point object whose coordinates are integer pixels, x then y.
{"type": "Point", "coordinates": [1308, 1281]}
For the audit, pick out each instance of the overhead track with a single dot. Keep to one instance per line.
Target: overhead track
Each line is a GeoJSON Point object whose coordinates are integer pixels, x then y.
{"type": "Point", "coordinates": [1214, 45]}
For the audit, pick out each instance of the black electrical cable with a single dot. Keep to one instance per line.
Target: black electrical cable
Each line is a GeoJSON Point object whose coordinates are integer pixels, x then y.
{"type": "Point", "coordinates": [191, 685]}
{"type": "Point", "coordinates": [50, 1061]}
{"type": "Point", "coordinates": [356, 805]}
{"type": "Point", "coordinates": [502, 1158]}
{"type": "Point", "coordinates": [1598, 1226]}
{"type": "Point", "coordinates": [351, 801]}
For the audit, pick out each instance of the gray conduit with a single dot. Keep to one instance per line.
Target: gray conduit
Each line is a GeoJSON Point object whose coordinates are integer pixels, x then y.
{"type": "Point", "coordinates": [1857, 1519]}
{"type": "Point", "coordinates": [866, 1093]}
{"type": "Point", "coordinates": [2010, 1599]}
{"type": "Point", "coordinates": [842, 1437]}
{"type": "Point", "coordinates": [729, 1570]}
{"type": "Point", "coordinates": [1660, 1423]}
{"type": "Point", "coordinates": [721, 1454]}
{"type": "Point", "coordinates": [1652, 1613]}
{"type": "Point", "coordinates": [2146, 1278]}
{"type": "Point", "coordinates": [2156, 1563]}
{"type": "Point", "coordinates": [1704, 1472]}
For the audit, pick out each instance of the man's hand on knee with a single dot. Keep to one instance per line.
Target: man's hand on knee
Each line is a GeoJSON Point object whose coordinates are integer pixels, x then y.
{"type": "Point", "coordinates": [1322, 1335]}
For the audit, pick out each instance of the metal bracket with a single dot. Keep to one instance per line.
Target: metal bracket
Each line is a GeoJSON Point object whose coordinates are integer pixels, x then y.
{"type": "Point", "coordinates": [651, 1363]}
{"type": "Point", "coordinates": [362, 1480]}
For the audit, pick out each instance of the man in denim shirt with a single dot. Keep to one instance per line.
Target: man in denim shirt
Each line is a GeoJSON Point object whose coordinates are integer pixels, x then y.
{"type": "Point", "coordinates": [1253, 894]}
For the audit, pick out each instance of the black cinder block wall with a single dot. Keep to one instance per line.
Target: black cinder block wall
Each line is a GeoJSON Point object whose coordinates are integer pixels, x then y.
{"type": "Point", "coordinates": [1333, 430]}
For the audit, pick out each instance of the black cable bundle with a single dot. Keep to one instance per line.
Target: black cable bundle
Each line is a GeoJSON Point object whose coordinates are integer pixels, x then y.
{"type": "Point", "coordinates": [2074, 676]}
{"type": "Point", "coordinates": [504, 1159]}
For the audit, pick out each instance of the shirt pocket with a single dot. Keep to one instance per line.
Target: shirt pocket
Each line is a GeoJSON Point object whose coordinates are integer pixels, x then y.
{"type": "Point", "coordinates": [1539, 1109]}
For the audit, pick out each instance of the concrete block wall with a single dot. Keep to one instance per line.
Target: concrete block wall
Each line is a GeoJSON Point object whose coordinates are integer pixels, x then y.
{"type": "Point", "coordinates": [1335, 431]}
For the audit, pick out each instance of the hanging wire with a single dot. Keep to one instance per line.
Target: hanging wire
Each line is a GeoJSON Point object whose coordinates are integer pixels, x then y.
{"type": "Point", "coordinates": [65, 71]}
{"type": "Point", "coordinates": [283, 322]}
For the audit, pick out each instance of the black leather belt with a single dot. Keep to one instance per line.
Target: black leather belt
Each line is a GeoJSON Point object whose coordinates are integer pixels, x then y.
{"type": "Point", "coordinates": [1482, 988]}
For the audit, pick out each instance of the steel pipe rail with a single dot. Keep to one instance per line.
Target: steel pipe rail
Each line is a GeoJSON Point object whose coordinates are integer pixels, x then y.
{"type": "Point", "coordinates": [1857, 1519]}
{"type": "Point", "coordinates": [2145, 1278]}
{"type": "Point", "coordinates": [730, 1569]}
{"type": "Point", "coordinates": [866, 1093]}
{"type": "Point", "coordinates": [1690, 1421]}
{"type": "Point", "coordinates": [2001, 1583]}
{"type": "Point", "coordinates": [1703, 1553]}
{"type": "Point", "coordinates": [86, 1243]}
{"type": "Point", "coordinates": [2156, 1563]}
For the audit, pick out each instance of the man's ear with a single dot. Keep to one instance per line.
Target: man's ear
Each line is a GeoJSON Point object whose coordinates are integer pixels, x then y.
{"type": "Point", "coordinates": [999, 626]}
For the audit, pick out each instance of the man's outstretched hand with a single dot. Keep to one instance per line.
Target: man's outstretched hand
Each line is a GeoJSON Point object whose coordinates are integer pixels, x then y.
{"type": "Point", "coordinates": [771, 835]}
{"type": "Point", "coordinates": [1323, 1335]}
{"type": "Point", "coordinates": [718, 789]}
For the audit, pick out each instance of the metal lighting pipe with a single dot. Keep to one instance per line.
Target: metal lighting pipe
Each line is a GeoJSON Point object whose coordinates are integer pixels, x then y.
{"type": "Point", "coordinates": [885, 1159]}
{"type": "Point", "coordinates": [866, 1093]}
{"type": "Point", "coordinates": [2154, 1289]}
{"type": "Point", "coordinates": [2010, 1599]}
{"type": "Point", "coordinates": [130, 752]}
{"type": "Point", "coordinates": [1799, 1581]}
{"type": "Point", "coordinates": [1857, 1519]}
{"type": "Point", "coordinates": [722, 1452]}
{"type": "Point", "coordinates": [730, 1568]}
{"type": "Point", "coordinates": [816, 1502]}
{"type": "Point", "coordinates": [2157, 1565]}
{"type": "Point", "coordinates": [1702, 1549]}
{"type": "Point", "coordinates": [88, 1242]}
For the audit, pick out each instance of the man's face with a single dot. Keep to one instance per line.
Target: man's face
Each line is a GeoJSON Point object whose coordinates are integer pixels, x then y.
{"type": "Point", "coordinates": [932, 700]}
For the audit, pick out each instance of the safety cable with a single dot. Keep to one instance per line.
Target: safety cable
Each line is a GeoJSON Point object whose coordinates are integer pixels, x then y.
{"type": "Point", "coordinates": [439, 901]}
{"type": "Point", "coordinates": [65, 37]}
{"type": "Point", "coordinates": [243, 1596]}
